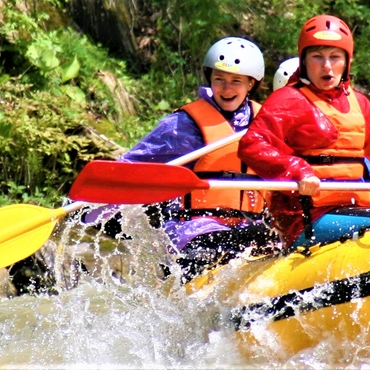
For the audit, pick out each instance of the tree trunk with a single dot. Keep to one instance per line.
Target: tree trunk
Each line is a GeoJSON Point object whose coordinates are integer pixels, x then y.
{"type": "Point", "coordinates": [109, 22]}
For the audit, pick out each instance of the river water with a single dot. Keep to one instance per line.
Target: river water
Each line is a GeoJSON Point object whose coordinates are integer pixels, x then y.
{"type": "Point", "coordinates": [132, 318]}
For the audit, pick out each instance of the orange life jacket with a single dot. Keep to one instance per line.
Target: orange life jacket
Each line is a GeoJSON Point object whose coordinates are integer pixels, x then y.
{"type": "Point", "coordinates": [349, 145]}
{"type": "Point", "coordinates": [214, 127]}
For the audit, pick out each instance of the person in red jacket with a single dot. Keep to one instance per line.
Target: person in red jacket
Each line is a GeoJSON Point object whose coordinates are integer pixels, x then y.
{"type": "Point", "coordinates": [316, 128]}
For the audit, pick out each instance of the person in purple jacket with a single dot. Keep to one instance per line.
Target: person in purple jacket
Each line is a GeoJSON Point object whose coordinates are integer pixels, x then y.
{"type": "Point", "coordinates": [219, 225]}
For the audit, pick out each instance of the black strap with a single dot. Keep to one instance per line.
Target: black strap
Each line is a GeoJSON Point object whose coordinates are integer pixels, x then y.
{"type": "Point", "coordinates": [209, 212]}
{"type": "Point", "coordinates": [226, 175]}
{"type": "Point", "coordinates": [187, 205]}
{"type": "Point", "coordinates": [330, 160]}
{"type": "Point", "coordinates": [306, 204]}
{"type": "Point", "coordinates": [188, 213]}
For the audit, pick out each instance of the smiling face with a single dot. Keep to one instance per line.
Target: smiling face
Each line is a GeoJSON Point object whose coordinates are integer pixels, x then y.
{"type": "Point", "coordinates": [229, 89]}
{"type": "Point", "coordinates": [325, 66]}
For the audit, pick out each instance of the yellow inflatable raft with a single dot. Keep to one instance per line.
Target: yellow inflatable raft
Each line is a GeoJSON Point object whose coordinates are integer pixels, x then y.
{"type": "Point", "coordinates": [288, 303]}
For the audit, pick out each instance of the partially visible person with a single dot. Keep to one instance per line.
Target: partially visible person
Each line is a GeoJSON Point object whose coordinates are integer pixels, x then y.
{"type": "Point", "coordinates": [314, 129]}
{"type": "Point", "coordinates": [209, 226]}
{"type": "Point", "coordinates": [284, 71]}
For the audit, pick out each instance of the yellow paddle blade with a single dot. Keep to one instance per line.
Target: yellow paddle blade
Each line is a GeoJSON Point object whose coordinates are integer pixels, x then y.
{"type": "Point", "coordinates": [24, 229]}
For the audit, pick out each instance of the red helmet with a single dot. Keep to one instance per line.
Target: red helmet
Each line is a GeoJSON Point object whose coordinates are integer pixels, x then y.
{"type": "Point", "coordinates": [326, 30]}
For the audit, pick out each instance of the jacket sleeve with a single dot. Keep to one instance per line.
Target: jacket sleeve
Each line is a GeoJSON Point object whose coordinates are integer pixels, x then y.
{"type": "Point", "coordinates": [284, 126]}
{"type": "Point", "coordinates": [175, 136]}
{"type": "Point", "coordinates": [365, 107]}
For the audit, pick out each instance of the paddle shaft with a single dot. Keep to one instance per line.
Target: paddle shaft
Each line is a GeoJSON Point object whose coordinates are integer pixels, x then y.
{"type": "Point", "coordinates": [187, 158]}
{"type": "Point", "coordinates": [284, 185]}
{"type": "Point", "coordinates": [144, 183]}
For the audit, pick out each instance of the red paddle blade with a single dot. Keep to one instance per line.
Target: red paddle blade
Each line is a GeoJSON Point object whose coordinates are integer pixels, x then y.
{"type": "Point", "coordinates": [133, 183]}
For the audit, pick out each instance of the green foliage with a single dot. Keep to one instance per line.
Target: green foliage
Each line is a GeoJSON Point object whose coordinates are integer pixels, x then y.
{"type": "Point", "coordinates": [58, 60]}
{"type": "Point", "coordinates": [50, 93]}
{"type": "Point", "coordinates": [41, 146]}
{"type": "Point", "coordinates": [276, 25]}
{"type": "Point", "coordinates": [183, 38]}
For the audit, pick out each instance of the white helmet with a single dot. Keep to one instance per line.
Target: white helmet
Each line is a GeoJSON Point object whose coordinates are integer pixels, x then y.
{"type": "Point", "coordinates": [236, 55]}
{"type": "Point", "coordinates": [285, 70]}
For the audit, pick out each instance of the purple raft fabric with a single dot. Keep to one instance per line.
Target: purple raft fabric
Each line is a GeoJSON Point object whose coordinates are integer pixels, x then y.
{"type": "Point", "coordinates": [100, 214]}
{"type": "Point", "coordinates": [182, 233]}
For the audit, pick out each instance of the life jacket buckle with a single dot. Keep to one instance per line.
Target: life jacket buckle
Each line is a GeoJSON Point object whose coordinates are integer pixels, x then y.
{"type": "Point", "coordinates": [228, 175]}
{"type": "Point", "coordinates": [326, 159]}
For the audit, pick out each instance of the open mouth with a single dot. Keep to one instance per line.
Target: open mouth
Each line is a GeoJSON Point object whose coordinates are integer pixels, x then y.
{"type": "Point", "coordinates": [327, 78]}
{"type": "Point", "coordinates": [228, 99]}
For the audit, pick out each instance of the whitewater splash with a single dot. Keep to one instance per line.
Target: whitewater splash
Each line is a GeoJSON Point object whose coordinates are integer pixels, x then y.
{"type": "Point", "coordinates": [125, 315]}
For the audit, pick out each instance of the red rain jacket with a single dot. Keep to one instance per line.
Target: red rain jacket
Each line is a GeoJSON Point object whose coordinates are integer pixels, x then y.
{"type": "Point", "coordinates": [286, 125]}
